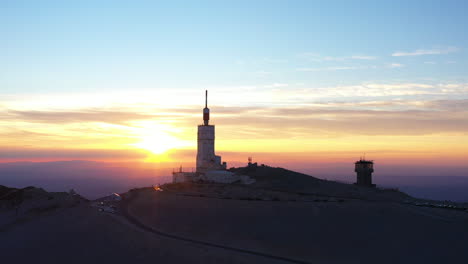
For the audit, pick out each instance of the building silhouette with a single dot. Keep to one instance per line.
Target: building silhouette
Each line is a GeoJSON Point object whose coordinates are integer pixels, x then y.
{"type": "Point", "coordinates": [364, 169]}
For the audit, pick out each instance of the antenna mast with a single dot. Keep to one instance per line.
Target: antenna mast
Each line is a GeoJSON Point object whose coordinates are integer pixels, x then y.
{"type": "Point", "coordinates": [206, 111]}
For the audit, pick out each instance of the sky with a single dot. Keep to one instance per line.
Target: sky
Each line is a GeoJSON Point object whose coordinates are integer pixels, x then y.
{"type": "Point", "coordinates": [307, 85]}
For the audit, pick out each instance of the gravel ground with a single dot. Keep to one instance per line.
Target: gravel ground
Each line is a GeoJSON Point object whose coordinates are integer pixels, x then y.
{"type": "Point", "coordinates": [171, 227]}
{"type": "Point", "coordinates": [353, 231]}
{"type": "Point", "coordinates": [83, 235]}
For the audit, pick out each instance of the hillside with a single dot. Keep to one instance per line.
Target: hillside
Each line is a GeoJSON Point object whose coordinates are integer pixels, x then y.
{"type": "Point", "coordinates": [281, 179]}
{"type": "Point", "coordinates": [23, 204]}
{"type": "Point", "coordinates": [284, 217]}
{"type": "Point", "coordinates": [303, 228]}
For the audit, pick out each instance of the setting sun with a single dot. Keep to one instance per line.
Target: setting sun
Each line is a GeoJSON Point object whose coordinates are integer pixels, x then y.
{"type": "Point", "coordinates": [159, 143]}
{"type": "Point", "coordinates": [157, 138]}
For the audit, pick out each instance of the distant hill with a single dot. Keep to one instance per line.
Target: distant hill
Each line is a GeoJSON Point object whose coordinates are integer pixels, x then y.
{"type": "Point", "coordinates": [15, 195]}
{"type": "Point", "coordinates": [34, 198]}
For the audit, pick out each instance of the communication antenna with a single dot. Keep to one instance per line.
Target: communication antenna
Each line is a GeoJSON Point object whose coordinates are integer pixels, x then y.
{"type": "Point", "coordinates": [206, 110]}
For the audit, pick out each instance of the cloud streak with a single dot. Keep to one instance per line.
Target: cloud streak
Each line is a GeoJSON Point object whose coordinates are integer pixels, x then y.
{"type": "Point", "coordinates": [299, 118]}
{"type": "Point", "coordinates": [320, 58]}
{"type": "Point", "coordinates": [358, 67]}
{"type": "Point", "coordinates": [387, 117]}
{"type": "Point", "coordinates": [395, 65]}
{"type": "Point", "coordinates": [85, 115]}
{"type": "Point", "coordinates": [421, 52]}
{"type": "Point", "coordinates": [336, 68]}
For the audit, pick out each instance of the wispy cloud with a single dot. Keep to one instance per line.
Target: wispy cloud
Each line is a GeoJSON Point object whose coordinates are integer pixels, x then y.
{"type": "Point", "coordinates": [58, 153]}
{"type": "Point", "coordinates": [309, 114]}
{"type": "Point", "coordinates": [359, 67]}
{"type": "Point", "coordinates": [354, 67]}
{"type": "Point", "coordinates": [395, 65]}
{"type": "Point", "coordinates": [336, 68]}
{"type": "Point", "coordinates": [368, 91]}
{"type": "Point", "coordinates": [455, 88]}
{"type": "Point", "coordinates": [321, 58]}
{"type": "Point", "coordinates": [262, 73]}
{"type": "Point", "coordinates": [84, 115]}
{"type": "Point", "coordinates": [362, 57]}
{"type": "Point", "coordinates": [344, 119]}
{"type": "Point", "coordinates": [276, 85]}
{"type": "Point", "coordinates": [420, 52]}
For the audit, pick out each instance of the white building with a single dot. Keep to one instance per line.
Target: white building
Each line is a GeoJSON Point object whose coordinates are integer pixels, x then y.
{"type": "Point", "coordinates": [209, 166]}
{"type": "Point", "coordinates": [206, 157]}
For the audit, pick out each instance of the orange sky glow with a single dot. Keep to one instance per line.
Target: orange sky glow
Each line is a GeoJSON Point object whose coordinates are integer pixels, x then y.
{"type": "Point", "coordinates": [160, 129]}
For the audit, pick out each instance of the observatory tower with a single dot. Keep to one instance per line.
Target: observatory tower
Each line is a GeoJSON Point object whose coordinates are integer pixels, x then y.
{"type": "Point", "coordinates": [206, 158]}
{"type": "Point", "coordinates": [364, 169]}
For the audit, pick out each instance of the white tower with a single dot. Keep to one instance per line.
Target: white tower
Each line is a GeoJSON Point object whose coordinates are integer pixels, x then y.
{"type": "Point", "coordinates": [206, 158]}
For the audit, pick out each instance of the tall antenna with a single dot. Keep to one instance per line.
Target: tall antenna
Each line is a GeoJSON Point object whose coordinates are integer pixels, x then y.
{"type": "Point", "coordinates": [206, 110]}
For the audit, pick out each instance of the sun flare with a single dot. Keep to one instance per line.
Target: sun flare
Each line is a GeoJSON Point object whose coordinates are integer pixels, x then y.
{"type": "Point", "coordinates": [158, 144]}
{"type": "Point", "coordinates": [157, 139]}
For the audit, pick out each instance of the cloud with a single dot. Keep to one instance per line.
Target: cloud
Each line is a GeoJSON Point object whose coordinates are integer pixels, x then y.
{"type": "Point", "coordinates": [342, 68]}
{"type": "Point", "coordinates": [299, 111]}
{"type": "Point", "coordinates": [321, 58]}
{"type": "Point", "coordinates": [361, 90]}
{"type": "Point", "coordinates": [420, 52]}
{"type": "Point", "coordinates": [454, 88]}
{"type": "Point", "coordinates": [276, 85]}
{"type": "Point", "coordinates": [448, 105]}
{"type": "Point", "coordinates": [84, 115]}
{"type": "Point", "coordinates": [302, 122]}
{"type": "Point", "coordinates": [337, 68]}
{"type": "Point", "coordinates": [60, 153]}
{"type": "Point", "coordinates": [399, 86]}
{"type": "Point", "coordinates": [262, 73]}
{"type": "Point", "coordinates": [395, 65]}
{"type": "Point", "coordinates": [362, 57]}
{"type": "Point", "coordinates": [367, 91]}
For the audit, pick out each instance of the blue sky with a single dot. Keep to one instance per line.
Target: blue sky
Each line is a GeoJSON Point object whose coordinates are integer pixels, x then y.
{"type": "Point", "coordinates": [89, 46]}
